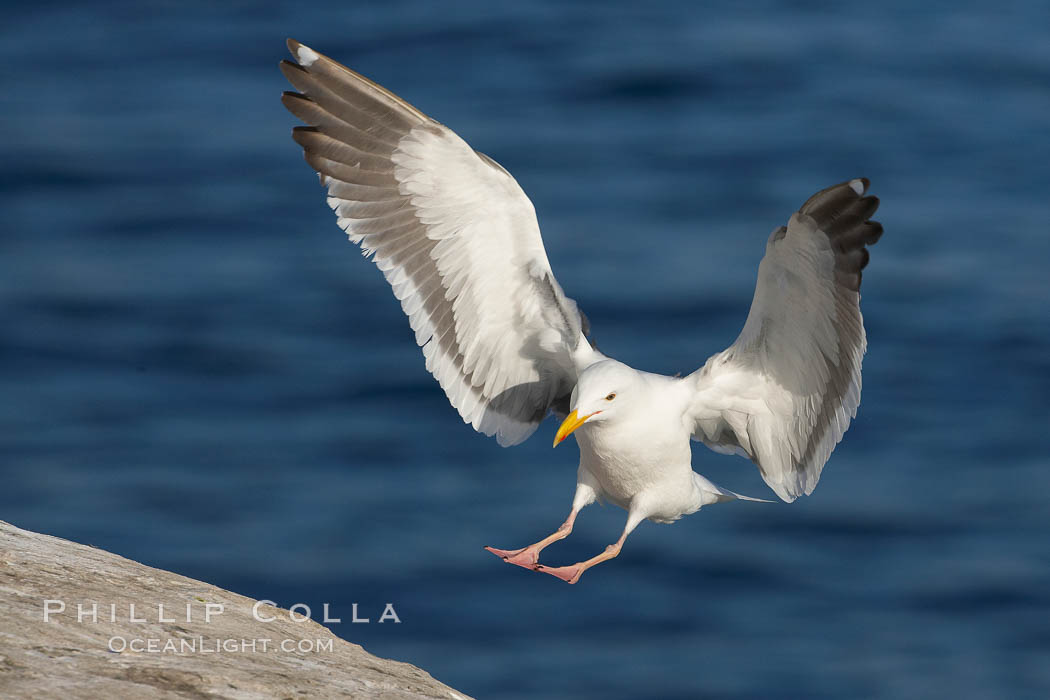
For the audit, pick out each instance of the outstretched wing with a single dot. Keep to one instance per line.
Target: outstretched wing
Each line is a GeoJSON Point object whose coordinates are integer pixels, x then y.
{"type": "Point", "coordinates": [456, 238]}
{"type": "Point", "coordinates": [784, 393]}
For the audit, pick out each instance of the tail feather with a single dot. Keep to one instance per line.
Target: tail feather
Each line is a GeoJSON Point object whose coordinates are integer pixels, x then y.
{"type": "Point", "coordinates": [716, 494]}
{"type": "Point", "coordinates": [732, 495]}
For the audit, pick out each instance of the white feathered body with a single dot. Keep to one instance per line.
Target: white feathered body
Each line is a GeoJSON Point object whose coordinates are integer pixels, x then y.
{"type": "Point", "coordinates": [641, 460]}
{"type": "Point", "coordinates": [645, 451]}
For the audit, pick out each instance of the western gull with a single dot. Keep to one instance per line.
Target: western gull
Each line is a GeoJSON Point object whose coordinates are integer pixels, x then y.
{"type": "Point", "coordinates": [457, 239]}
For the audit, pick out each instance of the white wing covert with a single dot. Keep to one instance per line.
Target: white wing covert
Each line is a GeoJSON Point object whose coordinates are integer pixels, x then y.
{"type": "Point", "coordinates": [784, 393]}
{"type": "Point", "coordinates": [456, 238]}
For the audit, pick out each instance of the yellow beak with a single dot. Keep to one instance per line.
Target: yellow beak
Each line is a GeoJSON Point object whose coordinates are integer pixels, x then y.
{"type": "Point", "coordinates": [571, 423]}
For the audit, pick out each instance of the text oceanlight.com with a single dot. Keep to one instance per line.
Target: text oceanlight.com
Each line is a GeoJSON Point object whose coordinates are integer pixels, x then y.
{"type": "Point", "coordinates": [202, 645]}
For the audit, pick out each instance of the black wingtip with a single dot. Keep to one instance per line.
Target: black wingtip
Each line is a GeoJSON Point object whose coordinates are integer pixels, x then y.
{"type": "Point", "coordinates": [289, 69]}
{"type": "Point", "coordinates": [301, 134]}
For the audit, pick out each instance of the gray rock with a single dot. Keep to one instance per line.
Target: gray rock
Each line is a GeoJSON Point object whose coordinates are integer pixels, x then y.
{"type": "Point", "coordinates": [109, 656]}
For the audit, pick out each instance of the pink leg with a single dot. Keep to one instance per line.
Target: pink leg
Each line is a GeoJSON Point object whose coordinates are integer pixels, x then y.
{"type": "Point", "coordinates": [529, 556]}
{"type": "Point", "coordinates": [572, 574]}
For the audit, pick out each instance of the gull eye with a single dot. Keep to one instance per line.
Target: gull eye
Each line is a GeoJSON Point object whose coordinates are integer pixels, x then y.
{"type": "Point", "coordinates": [610, 397]}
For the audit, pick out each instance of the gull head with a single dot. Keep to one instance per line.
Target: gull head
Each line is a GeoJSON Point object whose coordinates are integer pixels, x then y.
{"type": "Point", "coordinates": [602, 391]}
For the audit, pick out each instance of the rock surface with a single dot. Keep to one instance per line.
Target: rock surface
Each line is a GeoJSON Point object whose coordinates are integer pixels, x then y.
{"type": "Point", "coordinates": [111, 656]}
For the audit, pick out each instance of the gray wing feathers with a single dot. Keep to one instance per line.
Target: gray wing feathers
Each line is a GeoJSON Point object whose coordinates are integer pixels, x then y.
{"type": "Point", "coordinates": [454, 236]}
{"type": "Point", "coordinates": [784, 393]}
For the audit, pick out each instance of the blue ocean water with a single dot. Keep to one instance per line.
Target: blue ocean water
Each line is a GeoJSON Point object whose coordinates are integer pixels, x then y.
{"type": "Point", "coordinates": [198, 372]}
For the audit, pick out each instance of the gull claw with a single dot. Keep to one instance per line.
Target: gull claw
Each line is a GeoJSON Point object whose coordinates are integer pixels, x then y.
{"type": "Point", "coordinates": [525, 558]}
{"type": "Point", "coordinates": [568, 574]}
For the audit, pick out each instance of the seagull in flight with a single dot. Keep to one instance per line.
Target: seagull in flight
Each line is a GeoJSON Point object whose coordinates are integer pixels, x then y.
{"type": "Point", "coordinates": [458, 241]}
